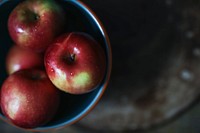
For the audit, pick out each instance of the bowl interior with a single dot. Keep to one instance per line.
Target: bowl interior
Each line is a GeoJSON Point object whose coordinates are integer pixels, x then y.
{"type": "Point", "coordinates": [80, 18]}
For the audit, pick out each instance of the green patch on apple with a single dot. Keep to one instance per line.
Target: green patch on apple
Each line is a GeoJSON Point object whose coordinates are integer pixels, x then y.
{"type": "Point", "coordinates": [59, 80]}
{"type": "Point", "coordinates": [81, 80]}
{"type": "Point", "coordinates": [49, 5]}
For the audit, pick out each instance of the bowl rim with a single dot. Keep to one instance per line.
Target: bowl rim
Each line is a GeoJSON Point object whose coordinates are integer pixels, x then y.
{"type": "Point", "coordinates": [99, 94]}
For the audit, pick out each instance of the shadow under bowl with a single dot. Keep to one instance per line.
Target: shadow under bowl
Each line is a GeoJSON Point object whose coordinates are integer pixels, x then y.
{"type": "Point", "coordinates": [80, 18]}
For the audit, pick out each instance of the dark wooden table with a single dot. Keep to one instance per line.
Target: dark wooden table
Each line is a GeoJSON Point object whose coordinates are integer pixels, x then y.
{"type": "Point", "coordinates": [156, 63]}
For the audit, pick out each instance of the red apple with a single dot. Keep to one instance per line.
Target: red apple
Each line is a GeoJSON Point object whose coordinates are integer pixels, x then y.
{"type": "Point", "coordinates": [19, 58]}
{"type": "Point", "coordinates": [29, 99]}
{"type": "Point", "coordinates": [75, 63]}
{"type": "Point", "coordinates": [34, 24]}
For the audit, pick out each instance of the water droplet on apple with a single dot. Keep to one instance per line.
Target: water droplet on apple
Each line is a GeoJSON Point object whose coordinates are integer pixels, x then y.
{"type": "Point", "coordinates": [52, 70]}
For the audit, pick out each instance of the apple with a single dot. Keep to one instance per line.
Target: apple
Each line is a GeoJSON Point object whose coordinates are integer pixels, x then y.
{"type": "Point", "coordinates": [34, 24]}
{"type": "Point", "coordinates": [19, 58]}
{"type": "Point", "coordinates": [75, 63]}
{"type": "Point", "coordinates": [29, 99]}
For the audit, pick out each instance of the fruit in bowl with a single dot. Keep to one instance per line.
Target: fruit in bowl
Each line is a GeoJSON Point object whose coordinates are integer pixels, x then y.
{"type": "Point", "coordinates": [34, 24]}
{"type": "Point", "coordinates": [19, 58]}
{"type": "Point", "coordinates": [29, 99]}
{"type": "Point", "coordinates": [75, 63]}
{"type": "Point", "coordinates": [80, 20]}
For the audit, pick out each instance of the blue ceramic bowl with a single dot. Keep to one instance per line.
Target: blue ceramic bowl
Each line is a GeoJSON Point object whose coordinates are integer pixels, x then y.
{"type": "Point", "coordinates": [81, 18]}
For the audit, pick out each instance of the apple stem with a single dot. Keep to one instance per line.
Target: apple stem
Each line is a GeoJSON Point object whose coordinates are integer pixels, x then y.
{"type": "Point", "coordinates": [34, 17]}
{"type": "Point", "coordinates": [72, 57]}
{"type": "Point", "coordinates": [37, 17]}
{"type": "Point", "coordinates": [69, 58]}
